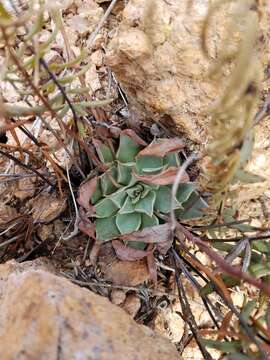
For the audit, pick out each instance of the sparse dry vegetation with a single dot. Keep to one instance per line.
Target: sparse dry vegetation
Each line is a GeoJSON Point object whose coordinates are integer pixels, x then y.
{"type": "Point", "coordinates": [81, 184]}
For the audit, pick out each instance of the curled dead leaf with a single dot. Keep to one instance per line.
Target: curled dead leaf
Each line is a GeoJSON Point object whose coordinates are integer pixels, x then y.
{"type": "Point", "coordinates": [87, 227]}
{"type": "Point", "coordinates": [127, 253]}
{"type": "Point", "coordinates": [159, 234]}
{"type": "Point", "coordinates": [162, 147]}
{"type": "Point", "coordinates": [86, 191]}
{"type": "Point", "coordinates": [152, 266]}
{"type": "Point", "coordinates": [165, 178]}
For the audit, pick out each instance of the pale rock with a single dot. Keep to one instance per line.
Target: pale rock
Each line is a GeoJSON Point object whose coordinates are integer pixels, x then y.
{"type": "Point", "coordinates": [98, 41]}
{"type": "Point", "coordinates": [157, 57]}
{"type": "Point", "coordinates": [8, 92]}
{"type": "Point", "coordinates": [44, 232]}
{"type": "Point", "coordinates": [92, 79]}
{"type": "Point", "coordinates": [117, 296]}
{"type": "Point", "coordinates": [192, 352]}
{"type": "Point", "coordinates": [72, 36]}
{"type": "Point", "coordinates": [58, 228]}
{"type": "Point", "coordinates": [118, 7]}
{"type": "Point", "coordinates": [238, 298]}
{"type": "Point", "coordinates": [25, 188]}
{"type": "Point", "coordinates": [125, 273]}
{"type": "Point", "coordinates": [58, 4]}
{"type": "Point", "coordinates": [7, 213]}
{"type": "Point", "coordinates": [53, 57]}
{"type": "Point", "coordinates": [46, 207]}
{"type": "Point", "coordinates": [159, 63]}
{"type": "Point", "coordinates": [132, 304]}
{"type": "Point", "coordinates": [44, 316]}
{"type": "Point", "coordinates": [79, 24]}
{"type": "Point", "coordinates": [76, 50]}
{"type": "Point", "coordinates": [90, 12]}
{"type": "Point", "coordinates": [44, 36]}
{"type": "Point", "coordinates": [20, 134]}
{"type": "Point", "coordinates": [169, 324]}
{"type": "Point", "coordinates": [51, 141]}
{"type": "Point", "coordinates": [97, 58]}
{"type": "Point", "coordinates": [122, 273]}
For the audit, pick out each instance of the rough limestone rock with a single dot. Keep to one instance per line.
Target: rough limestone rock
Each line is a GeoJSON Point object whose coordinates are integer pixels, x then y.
{"type": "Point", "coordinates": [157, 57]}
{"type": "Point", "coordinates": [44, 316]}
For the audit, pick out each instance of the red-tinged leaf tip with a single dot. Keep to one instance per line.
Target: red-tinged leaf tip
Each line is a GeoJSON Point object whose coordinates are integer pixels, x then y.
{"type": "Point", "coordinates": [162, 147]}
{"type": "Point", "coordinates": [134, 137]}
{"type": "Point", "coordinates": [86, 191]}
{"type": "Point", "coordinates": [167, 177]}
{"type": "Point", "coordinates": [88, 228]}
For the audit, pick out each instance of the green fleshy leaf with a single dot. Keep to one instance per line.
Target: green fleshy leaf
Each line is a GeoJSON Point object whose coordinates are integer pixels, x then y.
{"type": "Point", "coordinates": [97, 195]}
{"type": "Point", "coordinates": [260, 270]}
{"type": "Point", "coordinates": [106, 229]}
{"type": "Point", "coordinates": [127, 150]}
{"type": "Point", "coordinates": [148, 164]}
{"type": "Point", "coordinates": [228, 217]}
{"type": "Point", "coordinates": [107, 186]}
{"type": "Point", "coordinates": [247, 178]}
{"type": "Point", "coordinates": [133, 181]}
{"type": "Point", "coordinates": [136, 199]}
{"type": "Point", "coordinates": [145, 192]}
{"type": "Point", "coordinates": [247, 310]}
{"type": "Point", "coordinates": [148, 221]}
{"type": "Point", "coordinates": [193, 208]}
{"type": "Point", "coordinates": [118, 197]}
{"type": "Point", "coordinates": [246, 149]}
{"type": "Point", "coordinates": [262, 246]}
{"type": "Point", "coordinates": [228, 281]}
{"type": "Point", "coordinates": [105, 153]}
{"type": "Point", "coordinates": [238, 356]}
{"type": "Point", "coordinates": [224, 346]}
{"type": "Point", "coordinates": [172, 159]}
{"type": "Point", "coordinates": [123, 174]}
{"type": "Point", "coordinates": [184, 191]}
{"type": "Point", "coordinates": [163, 199]}
{"type": "Point", "coordinates": [105, 208]}
{"type": "Point", "coordinates": [135, 191]}
{"type": "Point", "coordinates": [127, 207]}
{"type": "Point", "coordinates": [128, 223]}
{"type": "Point", "coordinates": [146, 205]}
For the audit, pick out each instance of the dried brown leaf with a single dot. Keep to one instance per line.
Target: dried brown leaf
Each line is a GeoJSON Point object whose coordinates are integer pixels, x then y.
{"type": "Point", "coordinates": [162, 147]}
{"type": "Point", "coordinates": [165, 178]}
{"type": "Point", "coordinates": [86, 191]}
{"type": "Point", "coordinates": [87, 227]}
{"type": "Point", "coordinates": [127, 253]}
{"type": "Point", "coordinates": [159, 235]}
{"type": "Point", "coordinates": [225, 325]}
{"type": "Point", "coordinates": [152, 266]}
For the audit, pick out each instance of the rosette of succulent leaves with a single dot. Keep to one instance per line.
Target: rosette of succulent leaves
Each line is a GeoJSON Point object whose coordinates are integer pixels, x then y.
{"type": "Point", "coordinates": [135, 190]}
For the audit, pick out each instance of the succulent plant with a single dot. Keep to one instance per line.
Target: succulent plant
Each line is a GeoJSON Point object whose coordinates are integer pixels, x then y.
{"type": "Point", "coordinates": [135, 188]}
